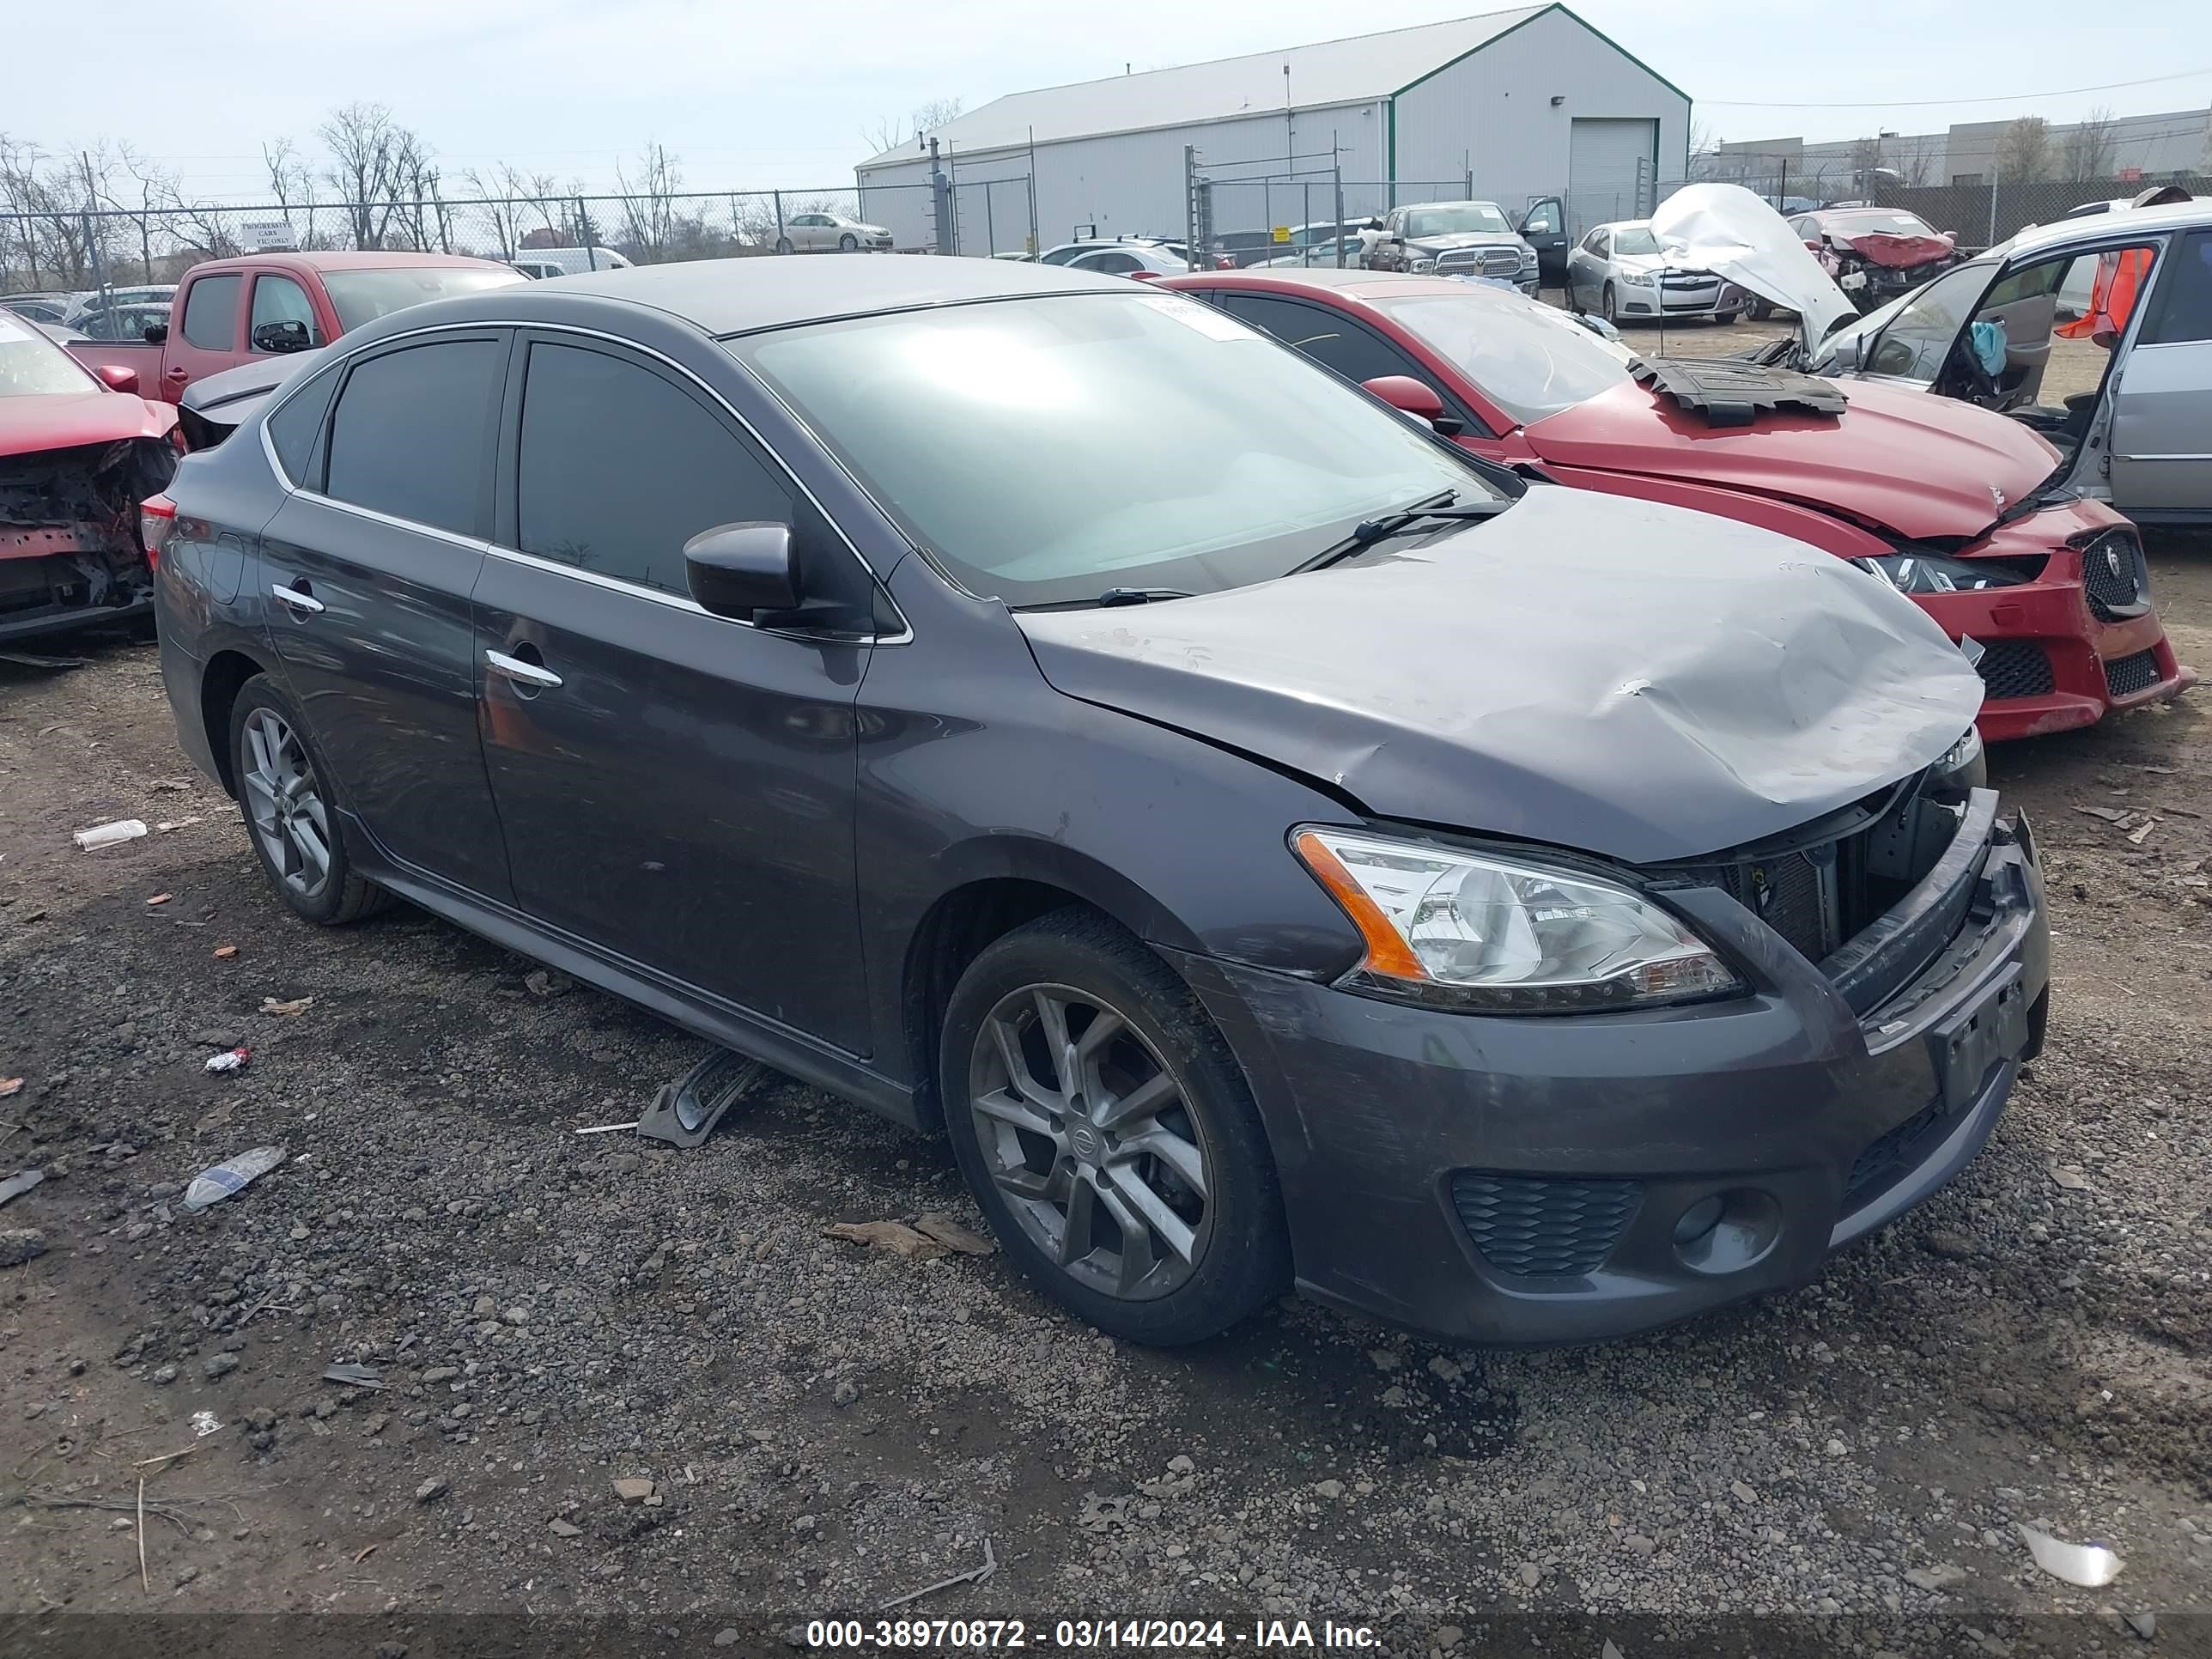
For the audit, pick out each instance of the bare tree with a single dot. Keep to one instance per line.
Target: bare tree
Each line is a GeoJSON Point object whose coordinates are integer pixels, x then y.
{"type": "Point", "coordinates": [2024, 150]}
{"type": "Point", "coordinates": [887, 133]}
{"type": "Point", "coordinates": [649, 207]}
{"type": "Point", "coordinates": [2090, 146]}
{"type": "Point", "coordinates": [379, 169]}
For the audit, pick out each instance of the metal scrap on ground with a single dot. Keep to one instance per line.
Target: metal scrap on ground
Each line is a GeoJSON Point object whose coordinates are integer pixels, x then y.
{"type": "Point", "coordinates": [973, 1575]}
{"type": "Point", "coordinates": [234, 1174]}
{"type": "Point", "coordinates": [296, 1005]}
{"type": "Point", "coordinates": [2089, 1565]}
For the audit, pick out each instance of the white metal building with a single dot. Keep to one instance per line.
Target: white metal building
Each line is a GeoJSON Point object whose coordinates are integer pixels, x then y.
{"type": "Point", "coordinates": [1508, 106]}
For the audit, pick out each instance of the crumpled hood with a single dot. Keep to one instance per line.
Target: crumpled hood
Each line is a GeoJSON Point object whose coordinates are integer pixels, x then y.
{"type": "Point", "coordinates": [1922, 466]}
{"type": "Point", "coordinates": [1459, 239]}
{"type": "Point", "coordinates": [1588, 671]}
{"type": "Point", "coordinates": [65, 420]}
{"type": "Point", "coordinates": [1894, 252]}
{"type": "Point", "coordinates": [1726, 230]}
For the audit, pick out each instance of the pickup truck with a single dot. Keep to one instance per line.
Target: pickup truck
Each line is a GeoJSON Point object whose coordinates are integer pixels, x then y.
{"type": "Point", "coordinates": [230, 311]}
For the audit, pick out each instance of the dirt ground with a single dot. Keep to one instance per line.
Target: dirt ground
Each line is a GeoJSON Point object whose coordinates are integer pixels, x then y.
{"type": "Point", "coordinates": [827, 1426]}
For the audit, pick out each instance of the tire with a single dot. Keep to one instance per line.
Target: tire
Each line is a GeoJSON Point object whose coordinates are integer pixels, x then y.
{"type": "Point", "coordinates": [848, 243]}
{"type": "Point", "coordinates": [783, 244]}
{"type": "Point", "coordinates": [1205, 1245]}
{"type": "Point", "coordinates": [285, 792]}
{"type": "Point", "coordinates": [1606, 306]}
{"type": "Point", "coordinates": [1758, 311]}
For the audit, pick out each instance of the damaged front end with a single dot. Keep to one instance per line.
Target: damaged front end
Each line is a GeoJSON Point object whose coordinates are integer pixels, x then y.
{"type": "Point", "coordinates": [70, 552]}
{"type": "Point", "coordinates": [1876, 267]}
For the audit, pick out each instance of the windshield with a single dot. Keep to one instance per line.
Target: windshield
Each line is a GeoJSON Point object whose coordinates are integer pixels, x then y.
{"type": "Point", "coordinates": [1456, 218]}
{"type": "Point", "coordinates": [362, 296]}
{"type": "Point", "coordinates": [31, 364]}
{"type": "Point", "coordinates": [1045, 450]}
{"type": "Point", "coordinates": [1872, 221]}
{"type": "Point", "coordinates": [1635, 239]}
{"type": "Point", "coordinates": [1530, 360]}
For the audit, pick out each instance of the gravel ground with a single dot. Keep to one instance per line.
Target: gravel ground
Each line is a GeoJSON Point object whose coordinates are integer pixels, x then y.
{"type": "Point", "coordinates": [827, 1425]}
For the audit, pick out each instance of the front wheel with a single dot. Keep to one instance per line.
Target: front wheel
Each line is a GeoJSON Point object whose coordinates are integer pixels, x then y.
{"type": "Point", "coordinates": [1758, 310]}
{"type": "Point", "coordinates": [847, 243]}
{"type": "Point", "coordinates": [1606, 308]}
{"type": "Point", "coordinates": [1109, 1134]}
{"type": "Point", "coordinates": [290, 811]}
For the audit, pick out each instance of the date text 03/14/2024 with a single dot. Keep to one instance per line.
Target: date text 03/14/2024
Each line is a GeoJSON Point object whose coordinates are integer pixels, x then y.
{"type": "Point", "coordinates": [1087, 1634]}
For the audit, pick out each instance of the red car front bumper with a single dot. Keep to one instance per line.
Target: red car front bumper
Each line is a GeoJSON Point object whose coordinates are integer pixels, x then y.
{"type": "Point", "coordinates": [2053, 660]}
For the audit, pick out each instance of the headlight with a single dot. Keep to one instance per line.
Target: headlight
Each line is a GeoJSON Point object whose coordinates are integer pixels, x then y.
{"type": "Point", "coordinates": [1931, 572]}
{"type": "Point", "coordinates": [1638, 278]}
{"type": "Point", "coordinates": [1484, 934]}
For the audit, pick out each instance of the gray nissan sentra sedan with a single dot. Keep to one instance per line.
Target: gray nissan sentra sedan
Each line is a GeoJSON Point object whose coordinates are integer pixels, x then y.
{"type": "Point", "coordinates": [1270, 845]}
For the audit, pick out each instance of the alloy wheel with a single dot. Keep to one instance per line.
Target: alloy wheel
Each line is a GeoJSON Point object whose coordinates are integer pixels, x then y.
{"type": "Point", "coordinates": [1085, 1131]}
{"type": "Point", "coordinates": [290, 819]}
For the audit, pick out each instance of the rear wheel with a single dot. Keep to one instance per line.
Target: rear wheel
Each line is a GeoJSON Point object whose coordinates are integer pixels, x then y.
{"type": "Point", "coordinates": [290, 812]}
{"type": "Point", "coordinates": [1109, 1134]}
{"type": "Point", "coordinates": [783, 244]}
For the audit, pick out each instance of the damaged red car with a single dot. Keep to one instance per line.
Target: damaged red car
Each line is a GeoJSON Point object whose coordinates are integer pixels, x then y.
{"type": "Point", "coordinates": [2050, 597]}
{"type": "Point", "coordinates": [79, 451]}
{"type": "Point", "coordinates": [1875, 253]}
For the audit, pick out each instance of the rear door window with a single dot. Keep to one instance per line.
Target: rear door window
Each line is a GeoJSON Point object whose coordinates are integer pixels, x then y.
{"type": "Point", "coordinates": [293, 428]}
{"type": "Point", "coordinates": [620, 466]}
{"type": "Point", "coordinates": [211, 313]}
{"type": "Point", "coordinates": [2184, 297]}
{"type": "Point", "coordinates": [412, 433]}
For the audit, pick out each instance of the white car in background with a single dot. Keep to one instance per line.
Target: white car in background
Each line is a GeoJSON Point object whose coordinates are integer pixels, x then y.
{"type": "Point", "coordinates": [1619, 272]}
{"type": "Point", "coordinates": [1123, 256]}
{"type": "Point", "coordinates": [830, 233]}
{"type": "Point", "coordinates": [539, 263]}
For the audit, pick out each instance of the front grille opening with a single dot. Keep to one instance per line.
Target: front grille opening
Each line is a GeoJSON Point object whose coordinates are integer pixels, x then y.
{"type": "Point", "coordinates": [2015, 668]}
{"type": "Point", "coordinates": [2125, 676]}
{"type": "Point", "coordinates": [2114, 575]}
{"type": "Point", "coordinates": [1539, 1225]}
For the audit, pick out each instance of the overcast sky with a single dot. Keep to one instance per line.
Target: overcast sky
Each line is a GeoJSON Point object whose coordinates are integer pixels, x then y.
{"type": "Point", "coordinates": [749, 95]}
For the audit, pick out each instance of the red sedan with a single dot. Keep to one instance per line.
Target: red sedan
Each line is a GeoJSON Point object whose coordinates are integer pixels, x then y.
{"type": "Point", "coordinates": [79, 451]}
{"type": "Point", "coordinates": [1939, 497]}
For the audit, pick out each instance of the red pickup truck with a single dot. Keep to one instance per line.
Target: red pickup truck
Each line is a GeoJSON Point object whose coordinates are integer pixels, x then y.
{"type": "Point", "coordinates": [230, 311]}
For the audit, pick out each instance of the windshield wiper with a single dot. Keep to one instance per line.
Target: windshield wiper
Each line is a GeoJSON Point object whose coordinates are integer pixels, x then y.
{"type": "Point", "coordinates": [1138, 595]}
{"type": "Point", "coordinates": [1444, 504]}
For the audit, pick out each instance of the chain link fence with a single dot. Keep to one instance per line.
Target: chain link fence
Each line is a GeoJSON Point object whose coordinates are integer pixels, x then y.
{"type": "Point", "coordinates": [79, 250]}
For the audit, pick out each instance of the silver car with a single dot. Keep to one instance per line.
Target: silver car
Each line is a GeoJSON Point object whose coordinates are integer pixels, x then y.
{"type": "Point", "coordinates": [1618, 273]}
{"type": "Point", "coordinates": [1124, 256]}
{"type": "Point", "coordinates": [829, 232]}
{"type": "Point", "coordinates": [1989, 331]}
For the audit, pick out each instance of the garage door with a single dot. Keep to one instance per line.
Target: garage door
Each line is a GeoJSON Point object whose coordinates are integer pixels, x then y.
{"type": "Point", "coordinates": [1610, 169]}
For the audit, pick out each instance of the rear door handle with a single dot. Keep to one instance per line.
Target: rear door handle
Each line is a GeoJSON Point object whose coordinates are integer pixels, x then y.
{"type": "Point", "coordinates": [305, 603]}
{"type": "Point", "coordinates": [179, 372]}
{"type": "Point", "coordinates": [525, 673]}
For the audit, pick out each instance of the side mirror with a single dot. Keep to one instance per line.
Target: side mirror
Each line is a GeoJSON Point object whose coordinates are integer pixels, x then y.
{"type": "Point", "coordinates": [289, 335]}
{"type": "Point", "coordinates": [1403, 391]}
{"type": "Point", "coordinates": [116, 377]}
{"type": "Point", "coordinates": [156, 333]}
{"type": "Point", "coordinates": [737, 570]}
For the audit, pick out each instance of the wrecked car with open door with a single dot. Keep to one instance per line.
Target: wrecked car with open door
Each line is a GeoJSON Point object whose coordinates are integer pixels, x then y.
{"type": "Point", "coordinates": [79, 452]}
{"type": "Point", "coordinates": [2117, 307]}
{"type": "Point", "coordinates": [2051, 601]}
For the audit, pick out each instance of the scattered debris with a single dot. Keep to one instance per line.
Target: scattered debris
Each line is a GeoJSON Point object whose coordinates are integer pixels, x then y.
{"type": "Point", "coordinates": [168, 824]}
{"type": "Point", "coordinates": [204, 1424]}
{"type": "Point", "coordinates": [17, 1185]}
{"type": "Point", "coordinates": [606, 1128]}
{"type": "Point", "coordinates": [548, 982]}
{"type": "Point", "coordinates": [684, 1113]}
{"type": "Point", "coordinates": [212, 1185]}
{"type": "Point", "coordinates": [2089, 1565]}
{"type": "Point", "coordinates": [561, 1528]}
{"type": "Point", "coordinates": [973, 1575]}
{"type": "Point", "coordinates": [296, 1006]}
{"type": "Point", "coordinates": [2136, 835]}
{"type": "Point", "coordinates": [10, 1086]}
{"type": "Point", "coordinates": [1948, 1574]}
{"type": "Point", "coordinates": [144, 1583]}
{"type": "Point", "coordinates": [355, 1376]}
{"type": "Point", "coordinates": [895, 1237]}
{"type": "Point", "coordinates": [166, 1458]}
{"type": "Point", "coordinates": [430, 1490]}
{"type": "Point", "coordinates": [109, 835]}
{"type": "Point", "coordinates": [953, 1235]}
{"type": "Point", "coordinates": [633, 1488]}
{"type": "Point", "coordinates": [2072, 1180]}
{"type": "Point", "coordinates": [171, 785]}
{"type": "Point", "coordinates": [158, 898]}
{"type": "Point", "coordinates": [2144, 1624]}
{"type": "Point", "coordinates": [225, 952]}
{"type": "Point", "coordinates": [219, 1364]}
{"type": "Point", "coordinates": [231, 1060]}
{"type": "Point", "coordinates": [31, 659]}
{"type": "Point", "coordinates": [21, 1244]}
{"type": "Point", "coordinates": [2110, 815]}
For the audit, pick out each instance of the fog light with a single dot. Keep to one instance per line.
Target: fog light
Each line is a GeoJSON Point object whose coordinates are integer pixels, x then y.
{"type": "Point", "coordinates": [1700, 1218]}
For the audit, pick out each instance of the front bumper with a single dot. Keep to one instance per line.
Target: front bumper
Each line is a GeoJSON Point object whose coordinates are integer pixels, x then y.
{"type": "Point", "coordinates": [2049, 662]}
{"type": "Point", "coordinates": [1522, 1181]}
{"type": "Point", "coordinates": [1702, 304]}
{"type": "Point", "coordinates": [45, 594]}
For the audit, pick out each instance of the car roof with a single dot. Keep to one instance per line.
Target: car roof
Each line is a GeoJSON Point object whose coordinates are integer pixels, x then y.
{"type": "Point", "coordinates": [1624, 224]}
{"type": "Point", "coordinates": [1357, 286]}
{"type": "Point", "coordinates": [742, 296]}
{"type": "Point", "coordinates": [1457, 201]}
{"type": "Point", "coordinates": [288, 258]}
{"type": "Point", "coordinates": [2101, 226]}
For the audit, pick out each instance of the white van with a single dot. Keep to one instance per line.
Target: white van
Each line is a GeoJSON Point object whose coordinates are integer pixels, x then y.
{"type": "Point", "coordinates": [540, 261]}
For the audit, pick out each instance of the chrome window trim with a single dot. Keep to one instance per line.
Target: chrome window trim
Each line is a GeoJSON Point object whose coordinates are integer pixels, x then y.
{"type": "Point", "coordinates": [485, 544]}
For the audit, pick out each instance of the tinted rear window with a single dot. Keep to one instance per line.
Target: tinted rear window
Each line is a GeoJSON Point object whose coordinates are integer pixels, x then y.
{"type": "Point", "coordinates": [412, 433]}
{"type": "Point", "coordinates": [211, 313]}
{"type": "Point", "coordinates": [292, 429]}
{"type": "Point", "coordinates": [362, 296]}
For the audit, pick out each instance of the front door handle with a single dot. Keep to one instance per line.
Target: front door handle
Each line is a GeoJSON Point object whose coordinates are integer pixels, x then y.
{"type": "Point", "coordinates": [179, 372]}
{"type": "Point", "coordinates": [523, 673]}
{"type": "Point", "coordinates": [300, 600]}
